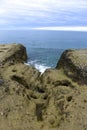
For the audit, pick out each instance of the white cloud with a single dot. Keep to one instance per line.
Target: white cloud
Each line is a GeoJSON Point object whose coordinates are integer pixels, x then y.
{"type": "Point", "coordinates": [42, 4]}
{"type": "Point", "coordinates": [49, 11]}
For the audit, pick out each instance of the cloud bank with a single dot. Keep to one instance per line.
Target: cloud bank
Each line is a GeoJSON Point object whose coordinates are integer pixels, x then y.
{"type": "Point", "coordinates": [42, 13]}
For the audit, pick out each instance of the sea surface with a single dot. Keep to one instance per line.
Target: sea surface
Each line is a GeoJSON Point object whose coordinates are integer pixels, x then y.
{"type": "Point", "coordinates": [44, 47]}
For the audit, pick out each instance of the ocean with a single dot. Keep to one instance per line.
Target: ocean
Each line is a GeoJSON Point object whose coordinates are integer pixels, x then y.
{"type": "Point", "coordinates": [44, 47]}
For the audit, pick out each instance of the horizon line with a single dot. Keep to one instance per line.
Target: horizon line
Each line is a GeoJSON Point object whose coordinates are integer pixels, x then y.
{"type": "Point", "coordinates": [53, 28]}
{"type": "Point", "coordinates": [63, 28]}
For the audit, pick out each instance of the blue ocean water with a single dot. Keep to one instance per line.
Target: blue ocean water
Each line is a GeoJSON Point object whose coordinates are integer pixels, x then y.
{"type": "Point", "coordinates": [44, 47]}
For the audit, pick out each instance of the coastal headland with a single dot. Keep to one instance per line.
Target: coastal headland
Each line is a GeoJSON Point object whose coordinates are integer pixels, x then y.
{"type": "Point", "coordinates": [54, 100]}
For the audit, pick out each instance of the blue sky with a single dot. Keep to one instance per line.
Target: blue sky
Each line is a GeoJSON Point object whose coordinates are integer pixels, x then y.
{"type": "Point", "coordinates": [24, 14]}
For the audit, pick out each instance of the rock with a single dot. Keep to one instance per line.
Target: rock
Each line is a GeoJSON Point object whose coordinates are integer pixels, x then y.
{"type": "Point", "coordinates": [12, 53]}
{"type": "Point", "coordinates": [1, 82]}
{"type": "Point", "coordinates": [51, 101]}
{"type": "Point", "coordinates": [74, 64]}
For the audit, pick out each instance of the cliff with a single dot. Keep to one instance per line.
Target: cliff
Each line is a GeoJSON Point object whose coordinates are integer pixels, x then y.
{"type": "Point", "coordinates": [12, 53]}
{"type": "Point", "coordinates": [74, 64]}
{"type": "Point", "coordinates": [55, 100]}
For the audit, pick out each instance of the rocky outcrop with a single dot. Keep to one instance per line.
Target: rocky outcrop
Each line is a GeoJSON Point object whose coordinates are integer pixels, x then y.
{"type": "Point", "coordinates": [12, 53]}
{"type": "Point", "coordinates": [52, 101]}
{"type": "Point", "coordinates": [74, 64]}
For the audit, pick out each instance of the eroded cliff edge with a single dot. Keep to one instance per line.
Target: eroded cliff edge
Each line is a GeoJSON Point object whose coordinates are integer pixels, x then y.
{"type": "Point", "coordinates": [74, 64]}
{"type": "Point", "coordinates": [56, 100]}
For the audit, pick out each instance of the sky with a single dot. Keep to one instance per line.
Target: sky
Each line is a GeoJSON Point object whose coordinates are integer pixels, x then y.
{"type": "Point", "coordinates": [25, 14]}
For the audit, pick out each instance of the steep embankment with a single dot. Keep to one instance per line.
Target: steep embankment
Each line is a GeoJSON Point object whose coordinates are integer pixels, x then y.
{"type": "Point", "coordinates": [56, 100]}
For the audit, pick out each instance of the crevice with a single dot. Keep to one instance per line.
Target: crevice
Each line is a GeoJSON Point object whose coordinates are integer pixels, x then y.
{"type": "Point", "coordinates": [39, 108]}
{"type": "Point", "coordinates": [20, 80]}
{"type": "Point", "coordinates": [63, 83]}
{"type": "Point", "coordinates": [69, 98]}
